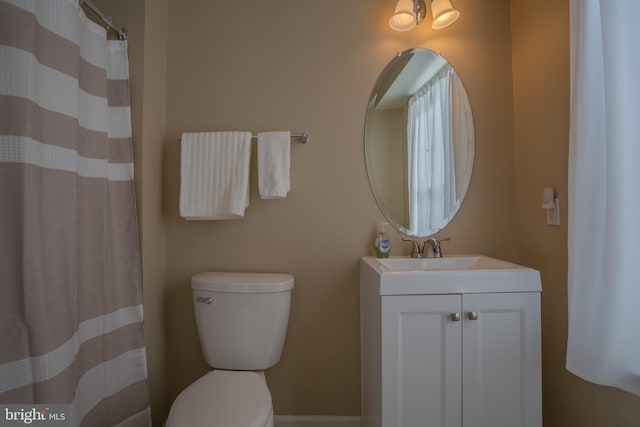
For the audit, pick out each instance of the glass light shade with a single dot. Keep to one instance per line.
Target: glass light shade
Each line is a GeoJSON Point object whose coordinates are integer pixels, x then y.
{"type": "Point", "coordinates": [443, 14]}
{"type": "Point", "coordinates": [403, 18]}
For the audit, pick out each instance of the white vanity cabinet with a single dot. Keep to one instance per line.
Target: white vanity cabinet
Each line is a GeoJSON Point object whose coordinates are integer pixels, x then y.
{"type": "Point", "coordinates": [460, 359]}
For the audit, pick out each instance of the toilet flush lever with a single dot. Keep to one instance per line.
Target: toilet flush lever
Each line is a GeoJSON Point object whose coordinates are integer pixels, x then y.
{"type": "Point", "coordinates": [206, 300]}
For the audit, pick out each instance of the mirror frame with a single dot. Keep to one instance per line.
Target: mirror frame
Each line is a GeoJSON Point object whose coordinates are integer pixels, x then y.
{"type": "Point", "coordinates": [392, 75]}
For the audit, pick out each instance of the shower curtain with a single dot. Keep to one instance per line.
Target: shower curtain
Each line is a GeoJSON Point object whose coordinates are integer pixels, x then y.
{"type": "Point", "coordinates": [70, 304]}
{"type": "Point", "coordinates": [603, 344]}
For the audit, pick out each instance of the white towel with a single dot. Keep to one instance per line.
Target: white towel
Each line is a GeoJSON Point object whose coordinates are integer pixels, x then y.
{"type": "Point", "coordinates": [214, 175]}
{"type": "Point", "coordinates": [274, 160]}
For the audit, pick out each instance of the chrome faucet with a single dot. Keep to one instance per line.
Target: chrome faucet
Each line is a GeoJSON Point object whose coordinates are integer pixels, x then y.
{"type": "Point", "coordinates": [436, 249]}
{"type": "Point", "coordinates": [416, 252]}
{"type": "Point", "coordinates": [435, 246]}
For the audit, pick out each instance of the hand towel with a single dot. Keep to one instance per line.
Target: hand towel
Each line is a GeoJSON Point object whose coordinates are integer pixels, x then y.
{"type": "Point", "coordinates": [214, 174]}
{"type": "Point", "coordinates": [274, 160]}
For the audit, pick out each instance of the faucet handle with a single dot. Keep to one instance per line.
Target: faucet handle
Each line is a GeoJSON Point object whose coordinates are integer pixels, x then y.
{"type": "Point", "coordinates": [438, 241]}
{"type": "Point", "coordinates": [415, 249]}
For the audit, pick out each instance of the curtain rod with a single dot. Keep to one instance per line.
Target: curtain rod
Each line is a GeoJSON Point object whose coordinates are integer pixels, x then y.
{"type": "Point", "coordinates": [122, 32]}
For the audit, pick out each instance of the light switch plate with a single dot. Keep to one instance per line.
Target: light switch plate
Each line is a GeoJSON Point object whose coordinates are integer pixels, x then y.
{"type": "Point", "coordinates": [553, 214]}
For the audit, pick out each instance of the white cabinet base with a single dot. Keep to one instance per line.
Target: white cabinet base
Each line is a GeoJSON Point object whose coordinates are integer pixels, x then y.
{"type": "Point", "coordinates": [453, 360]}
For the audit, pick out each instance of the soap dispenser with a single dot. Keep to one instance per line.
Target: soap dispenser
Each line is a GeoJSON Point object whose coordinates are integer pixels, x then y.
{"type": "Point", "coordinates": [382, 244]}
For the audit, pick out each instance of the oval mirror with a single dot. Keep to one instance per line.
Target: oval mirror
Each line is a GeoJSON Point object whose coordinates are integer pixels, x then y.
{"type": "Point", "coordinates": [419, 142]}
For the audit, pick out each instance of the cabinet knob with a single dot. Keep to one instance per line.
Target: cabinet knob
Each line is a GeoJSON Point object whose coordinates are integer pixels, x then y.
{"type": "Point", "coordinates": [473, 315]}
{"type": "Point", "coordinates": [455, 317]}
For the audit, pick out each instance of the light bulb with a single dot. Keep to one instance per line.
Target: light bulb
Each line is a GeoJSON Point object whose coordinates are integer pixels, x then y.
{"type": "Point", "coordinates": [443, 14]}
{"type": "Point", "coordinates": [403, 18]}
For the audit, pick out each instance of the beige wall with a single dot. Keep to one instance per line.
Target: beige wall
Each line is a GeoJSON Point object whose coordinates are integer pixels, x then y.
{"type": "Point", "coordinates": [153, 242]}
{"type": "Point", "coordinates": [310, 66]}
{"type": "Point", "coordinates": [540, 32]}
{"type": "Point", "coordinates": [145, 21]}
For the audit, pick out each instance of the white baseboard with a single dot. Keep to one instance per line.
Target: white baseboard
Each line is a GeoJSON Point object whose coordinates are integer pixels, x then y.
{"type": "Point", "coordinates": [315, 421]}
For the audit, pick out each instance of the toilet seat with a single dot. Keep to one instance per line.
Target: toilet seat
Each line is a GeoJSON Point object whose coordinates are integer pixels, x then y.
{"type": "Point", "coordinates": [224, 399]}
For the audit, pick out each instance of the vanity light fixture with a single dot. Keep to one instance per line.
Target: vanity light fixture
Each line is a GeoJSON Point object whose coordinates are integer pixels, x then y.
{"type": "Point", "coordinates": [443, 14]}
{"type": "Point", "coordinates": [409, 13]}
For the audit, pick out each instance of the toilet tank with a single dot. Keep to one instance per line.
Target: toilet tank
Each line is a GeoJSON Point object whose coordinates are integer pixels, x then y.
{"type": "Point", "coordinates": [242, 318]}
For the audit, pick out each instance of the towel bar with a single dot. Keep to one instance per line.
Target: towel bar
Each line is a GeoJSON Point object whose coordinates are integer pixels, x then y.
{"type": "Point", "coordinates": [303, 137]}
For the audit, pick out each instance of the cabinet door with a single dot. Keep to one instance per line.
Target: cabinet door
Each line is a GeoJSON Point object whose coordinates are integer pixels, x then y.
{"type": "Point", "coordinates": [421, 366]}
{"type": "Point", "coordinates": [501, 384]}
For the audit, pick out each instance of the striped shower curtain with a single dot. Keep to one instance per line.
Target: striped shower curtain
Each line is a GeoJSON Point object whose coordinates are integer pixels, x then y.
{"type": "Point", "coordinates": [70, 291]}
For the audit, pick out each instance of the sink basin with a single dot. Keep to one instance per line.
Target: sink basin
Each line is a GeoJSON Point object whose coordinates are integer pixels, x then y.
{"type": "Point", "coordinates": [473, 262]}
{"type": "Point", "coordinates": [448, 275]}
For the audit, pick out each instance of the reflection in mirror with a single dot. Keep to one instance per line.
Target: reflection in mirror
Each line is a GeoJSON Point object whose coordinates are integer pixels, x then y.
{"type": "Point", "coordinates": [419, 142]}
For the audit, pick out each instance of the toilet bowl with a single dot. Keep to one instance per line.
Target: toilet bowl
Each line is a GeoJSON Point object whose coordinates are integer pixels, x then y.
{"type": "Point", "coordinates": [224, 398]}
{"type": "Point", "coordinates": [242, 321]}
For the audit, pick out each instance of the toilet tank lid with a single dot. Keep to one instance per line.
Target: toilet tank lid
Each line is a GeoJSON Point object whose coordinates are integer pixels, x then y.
{"type": "Point", "coordinates": [215, 281]}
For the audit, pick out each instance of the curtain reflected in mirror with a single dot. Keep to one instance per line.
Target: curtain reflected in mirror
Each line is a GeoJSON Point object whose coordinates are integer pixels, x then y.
{"type": "Point", "coordinates": [419, 142]}
{"type": "Point", "coordinates": [433, 194]}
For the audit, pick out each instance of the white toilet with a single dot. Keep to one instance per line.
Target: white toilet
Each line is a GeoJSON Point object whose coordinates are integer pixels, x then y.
{"type": "Point", "coordinates": [242, 321]}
